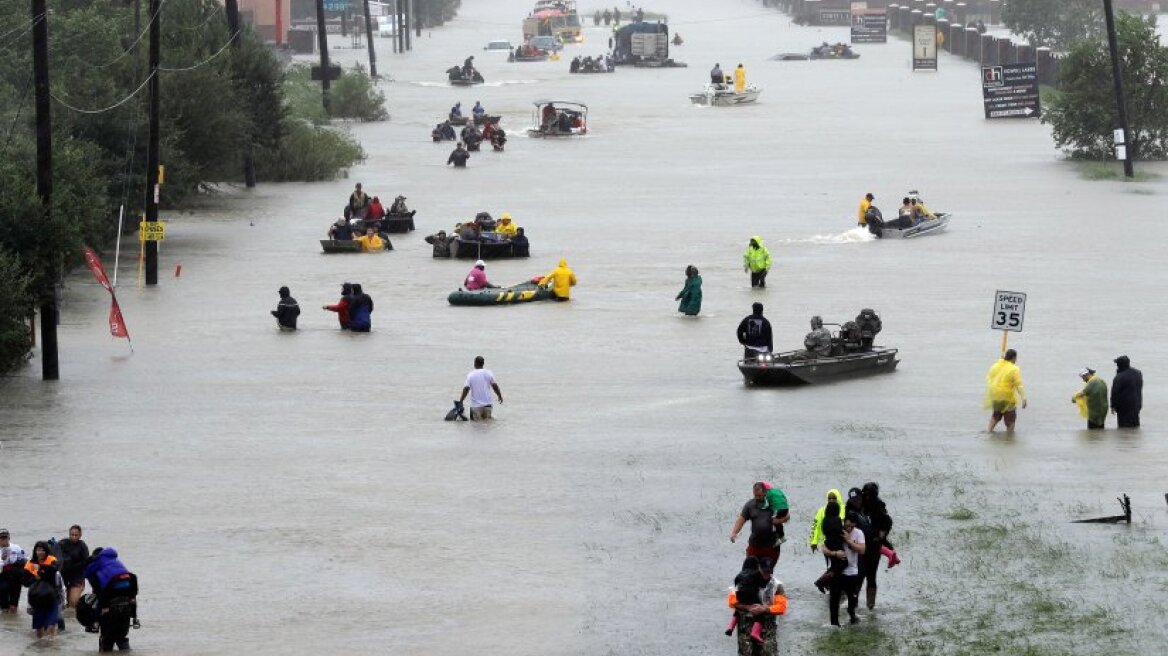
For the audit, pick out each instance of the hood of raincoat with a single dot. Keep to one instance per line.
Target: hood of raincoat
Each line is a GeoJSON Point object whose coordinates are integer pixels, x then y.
{"type": "Point", "coordinates": [105, 566]}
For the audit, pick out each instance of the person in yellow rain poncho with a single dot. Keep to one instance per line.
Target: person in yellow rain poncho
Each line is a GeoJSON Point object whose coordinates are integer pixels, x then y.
{"type": "Point", "coordinates": [740, 79]}
{"type": "Point", "coordinates": [865, 205]}
{"type": "Point", "coordinates": [1004, 390]}
{"type": "Point", "coordinates": [506, 227]}
{"type": "Point", "coordinates": [1092, 399]}
{"type": "Point", "coordinates": [371, 242]}
{"type": "Point", "coordinates": [817, 524]}
{"type": "Point", "coordinates": [757, 261]}
{"type": "Point", "coordinates": [562, 281]}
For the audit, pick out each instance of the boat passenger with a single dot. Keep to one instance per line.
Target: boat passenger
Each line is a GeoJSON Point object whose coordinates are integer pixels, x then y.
{"type": "Point", "coordinates": [371, 242]}
{"type": "Point", "coordinates": [754, 334]}
{"type": "Point", "coordinates": [921, 210]}
{"type": "Point", "coordinates": [478, 110]}
{"type": "Point", "coordinates": [286, 310]}
{"type": "Point", "coordinates": [905, 214]}
{"type": "Point", "coordinates": [341, 230]}
{"type": "Point", "coordinates": [574, 67]}
{"type": "Point", "coordinates": [458, 156]}
{"type": "Point", "coordinates": [716, 75]}
{"type": "Point", "coordinates": [565, 122]}
{"type": "Point", "coordinates": [399, 207]}
{"type": "Point", "coordinates": [818, 341]}
{"type": "Point", "coordinates": [739, 79]}
{"type": "Point", "coordinates": [562, 279]}
{"type": "Point", "coordinates": [506, 227]}
{"type": "Point", "coordinates": [477, 277]}
{"type": "Point", "coordinates": [549, 116]}
{"type": "Point", "coordinates": [468, 69]}
{"type": "Point", "coordinates": [519, 243]}
{"type": "Point", "coordinates": [358, 202]}
{"type": "Point", "coordinates": [376, 211]}
{"type": "Point", "coordinates": [469, 231]}
{"type": "Point", "coordinates": [456, 111]}
{"type": "Point", "coordinates": [341, 307]}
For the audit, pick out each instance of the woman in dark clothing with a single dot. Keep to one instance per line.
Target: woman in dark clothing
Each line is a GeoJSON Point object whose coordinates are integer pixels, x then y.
{"type": "Point", "coordinates": [74, 556]}
{"type": "Point", "coordinates": [881, 525]}
{"type": "Point", "coordinates": [833, 528]}
{"type": "Point", "coordinates": [360, 309]}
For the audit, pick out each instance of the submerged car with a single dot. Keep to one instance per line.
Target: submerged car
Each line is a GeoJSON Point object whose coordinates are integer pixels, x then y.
{"type": "Point", "coordinates": [498, 45]}
{"type": "Point", "coordinates": [548, 43]}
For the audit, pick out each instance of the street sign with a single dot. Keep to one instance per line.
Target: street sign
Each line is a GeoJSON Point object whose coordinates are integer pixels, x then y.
{"type": "Point", "coordinates": [334, 72]}
{"type": "Point", "coordinates": [151, 231]}
{"type": "Point", "coordinates": [1010, 91]}
{"type": "Point", "coordinates": [869, 25]}
{"type": "Point", "coordinates": [924, 48]}
{"type": "Point", "coordinates": [1009, 311]}
{"type": "Point", "coordinates": [336, 5]}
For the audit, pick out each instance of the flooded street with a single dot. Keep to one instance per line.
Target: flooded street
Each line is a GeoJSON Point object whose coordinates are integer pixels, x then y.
{"type": "Point", "coordinates": [278, 491]}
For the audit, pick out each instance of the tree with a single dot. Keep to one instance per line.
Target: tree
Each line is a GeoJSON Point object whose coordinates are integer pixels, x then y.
{"type": "Point", "coordinates": [1055, 24]}
{"type": "Point", "coordinates": [1083, 113]}
{"type": "Point", "coordinates": [15, 307]}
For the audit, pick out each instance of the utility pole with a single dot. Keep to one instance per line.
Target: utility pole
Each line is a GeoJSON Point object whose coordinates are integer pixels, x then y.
{"type": "Point", "coordinates": [409, 7]}
{"type": "Point", "coordinates": [152, 156]}
{"type": "Point", "coordinates": [44, 183]}
{"type": "Point", "coordinates": [322, 43]}
{"type": "Point", "coordinates": [401, 25]}
{"type": "Point", "coordinates": [1120, 98]}
{"type": "Point", "coordinates": [369, 38]}
{"type": "Point", "coordinates": [232, 10]}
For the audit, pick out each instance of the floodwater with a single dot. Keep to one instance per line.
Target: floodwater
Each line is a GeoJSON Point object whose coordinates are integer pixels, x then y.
{"type": "Point", "coordinates": [300, 491]}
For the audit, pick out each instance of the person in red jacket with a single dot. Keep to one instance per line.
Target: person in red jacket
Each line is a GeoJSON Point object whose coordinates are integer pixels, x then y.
{"type": "Point", "coordinates": [341, 307]}
{"type": "Point", "coordinates": [375, 213]}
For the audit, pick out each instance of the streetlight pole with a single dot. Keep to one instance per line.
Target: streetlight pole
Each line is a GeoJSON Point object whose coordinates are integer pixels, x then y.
{"type": "Point", "coordinates": [44, 184]}
{"type": "Point", "coordinates": [1120, 97]}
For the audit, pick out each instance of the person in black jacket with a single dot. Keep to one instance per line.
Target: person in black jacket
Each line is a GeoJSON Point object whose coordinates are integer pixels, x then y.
{"type": "Point", "coordinates": [458, 156]}
{"type": "Point", "coordinates": [1127, 393]}
{"type": "Point", "coordinates": [74, 556]}
{"type": "Point", "coordinates": [286, 311]}
{"type": "Point", "coordinates": [881, 526]}
{"type": "Point", "coordinates": [754, 333]}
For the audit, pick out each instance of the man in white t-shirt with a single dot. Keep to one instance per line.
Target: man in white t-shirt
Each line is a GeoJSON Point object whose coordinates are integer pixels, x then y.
{"type": "Point", "coordinates": [479, 384]}
{"type": "Point", "coordinates": [848, 582]}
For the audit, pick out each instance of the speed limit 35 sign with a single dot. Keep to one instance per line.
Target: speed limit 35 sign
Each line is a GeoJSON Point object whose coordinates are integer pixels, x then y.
{"type": "Point", "coordinates": [1009, 311]}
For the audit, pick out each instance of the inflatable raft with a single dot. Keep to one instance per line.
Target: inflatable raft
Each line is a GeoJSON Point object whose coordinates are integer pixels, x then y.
{"type": "Point", "coordinates": [526, 292]}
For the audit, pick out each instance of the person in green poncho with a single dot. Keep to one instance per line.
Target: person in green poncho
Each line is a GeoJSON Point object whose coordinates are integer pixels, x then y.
{"type": "Point", "coordinates": [1092, 399]}
{"type": "Point", "coordinates": [691, 294]}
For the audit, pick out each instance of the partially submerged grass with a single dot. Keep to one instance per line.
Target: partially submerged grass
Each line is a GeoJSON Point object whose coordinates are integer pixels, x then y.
{"type": "Point", "coordinates": [1111, 171]}
{"type": "Point", "coordinates": [961, 514]}
{"type": "Point", "coordinates": [862, 640]}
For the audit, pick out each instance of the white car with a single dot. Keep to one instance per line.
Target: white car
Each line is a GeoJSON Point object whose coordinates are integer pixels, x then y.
{"type": "Point", "coordinates": [498, 45]}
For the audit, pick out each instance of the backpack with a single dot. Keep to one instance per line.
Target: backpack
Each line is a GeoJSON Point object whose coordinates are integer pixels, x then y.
{"type": "Point", "coordinates": [42, 596]}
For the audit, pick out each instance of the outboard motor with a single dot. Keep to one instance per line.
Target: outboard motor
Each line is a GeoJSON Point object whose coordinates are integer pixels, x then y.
{"type": "Point", "coordinates": [870, 325]}
{"type": "Point", "coordinates": [875, 221]}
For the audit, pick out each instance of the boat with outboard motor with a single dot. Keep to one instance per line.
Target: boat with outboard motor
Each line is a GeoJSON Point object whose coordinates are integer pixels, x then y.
{"type": "Point", "coordinates": [558, 118]}
{"type": "Point", "coordinates": [524, 292]}
{"type": "Point", "coordinates": [904, 227]}
{"type": "Point", "coordinates": [456, 77]}
{"type": "Point", "coordinates": [488, 248]}
{"type": "Point", "coordinates": [350, 245]}
{"type": "Point", "coordinates": [825, 51]}
{"type": "Point", "coordinates": [847, 354]}
{"type": "Point", "coordinates": [722, 95]}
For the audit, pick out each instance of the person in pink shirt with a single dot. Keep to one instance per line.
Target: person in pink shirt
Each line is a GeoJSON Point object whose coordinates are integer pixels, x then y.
{"type": "Point", "coordinates": [477, 278]}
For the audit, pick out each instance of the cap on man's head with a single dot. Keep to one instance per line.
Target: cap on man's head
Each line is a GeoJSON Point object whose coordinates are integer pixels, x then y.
{"type": "Point", "coordinates": [870, 197]}
{"type": "Point", "coordinates": [3, 532]}
{"type": "Point", "coordinates": [1086, 371]}
{"type": "Point", "coordinates": [480, 263]}
{"type": "Point", "coordinates": [1122, 359]}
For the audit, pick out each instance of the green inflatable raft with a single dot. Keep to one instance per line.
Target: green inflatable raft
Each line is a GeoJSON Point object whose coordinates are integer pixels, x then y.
{"type": "Point", "coordinates": [526, 292]}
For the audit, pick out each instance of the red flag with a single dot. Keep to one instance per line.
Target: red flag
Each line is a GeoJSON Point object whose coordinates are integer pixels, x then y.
{"type": "Point", "coordinates": [117, 324]}
{"type": "Point", "coordinates": [98, 270]}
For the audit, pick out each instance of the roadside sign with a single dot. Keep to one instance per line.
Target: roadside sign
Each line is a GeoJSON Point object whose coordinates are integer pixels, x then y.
{"type": "Point", "coordinates": [869, 25]}
{"type": "Point", "coordinates": [151, 231]}
{"type": "Point", "coordinates": [336, 5]}
{"type": "Point", "coordinates": [1010, 91]}
{"type": "Point", "coordinates": [334, 72]}
{"type": "Point", "coordinates": [924, 48]}
{"type": "Point", "coordinates": [1009, 311]}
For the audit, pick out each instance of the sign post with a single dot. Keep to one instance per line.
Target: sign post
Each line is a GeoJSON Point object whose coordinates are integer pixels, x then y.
{"type": "Point", "coordinates": [924, 48]}
{"type": "Point", "coordinates": [1010, 91]}
{"type": "Point", "coordinates": [1009, 313]}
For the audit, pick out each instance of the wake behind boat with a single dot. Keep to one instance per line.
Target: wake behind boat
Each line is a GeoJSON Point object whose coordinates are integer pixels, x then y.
{"type": "Point", "coordinates": [720, 95]}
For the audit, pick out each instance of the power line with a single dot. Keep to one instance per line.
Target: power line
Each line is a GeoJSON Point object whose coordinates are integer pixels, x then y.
{"type": "Point", "coordinates": [16, 117]}
{"type": "Point", "coordinates": [105, 109]}
{"type": "Point", "coordinates": [205, 61]}
{"type": "Point", "coordinates": [26, 29]}
{"type": "Point", "coordinates": [132, 46]}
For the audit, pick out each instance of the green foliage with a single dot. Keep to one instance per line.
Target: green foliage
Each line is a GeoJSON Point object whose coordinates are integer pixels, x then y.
{"type": "Point", "coordinates": [308, 152]}
{"type": "Point", "coordinates": [433, 13]}
{"type": "Point", "coordinates": [355, 97]}
{"type": "Point", "coordinates": [1083, 115]}
{"type": "Point", "coordinates": [15, 307]}
{"type": "Point", "coordinates": [1056, 24]}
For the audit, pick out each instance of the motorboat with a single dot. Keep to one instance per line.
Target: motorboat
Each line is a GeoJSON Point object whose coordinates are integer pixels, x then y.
{"type": "Point", "coordinates": [798, 368]}
{"type": "Point", "coordinates": [848, 353]}
{"type": "Point", "coordinates": [458, 79]}
{"type": "Point", "coordinates": [350, 245]}
{"type": "Point", "coordinates": [722, 95]}
{"type": "Point", "coordinates": [525, 292]}
{"type": "Point", "coordinates": [904, 227]}
{"type": "Point", "coordinates": [838, 51]}
{"type": "Point", "coordinates": [558, 118]}
{"type": "Point", "coordinates": [488, 247]}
